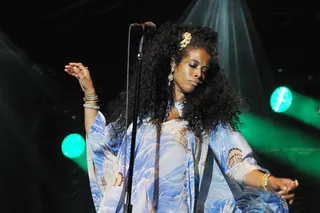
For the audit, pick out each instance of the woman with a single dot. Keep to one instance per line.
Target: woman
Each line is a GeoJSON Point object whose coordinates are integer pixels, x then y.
{"type": "Point", "coordinates": [189, 154]}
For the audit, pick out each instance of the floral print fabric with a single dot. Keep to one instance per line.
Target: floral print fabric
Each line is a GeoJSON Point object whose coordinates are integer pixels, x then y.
{"type": "Point", "coordinates": [175, 172]}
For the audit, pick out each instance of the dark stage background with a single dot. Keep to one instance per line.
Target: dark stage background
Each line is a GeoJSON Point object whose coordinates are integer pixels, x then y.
{"type": "Point", "coordinates": [40, 104]}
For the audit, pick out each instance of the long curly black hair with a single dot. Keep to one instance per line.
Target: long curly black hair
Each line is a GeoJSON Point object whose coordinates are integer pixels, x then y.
{"type": "Point", "coordinates": [213, 102]}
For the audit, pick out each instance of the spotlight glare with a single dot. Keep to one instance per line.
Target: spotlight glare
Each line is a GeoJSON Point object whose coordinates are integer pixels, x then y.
{"type": "Point", "coordinates": [73, 145]}
{"type": "Point", "coordinates": [281, 99]}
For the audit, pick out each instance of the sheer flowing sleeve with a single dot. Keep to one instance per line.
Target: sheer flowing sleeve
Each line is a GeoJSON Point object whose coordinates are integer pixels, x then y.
{"type": "Point", "coordinates": [233, 153]}
{"type": "Point", "coordinates": [102, 160]}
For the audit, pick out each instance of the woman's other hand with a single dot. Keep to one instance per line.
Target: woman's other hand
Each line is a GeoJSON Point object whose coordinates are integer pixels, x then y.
{"type": "Point", "coordinates": [283, 186]}
{"type": "Point", "coordinates": [82, 73]}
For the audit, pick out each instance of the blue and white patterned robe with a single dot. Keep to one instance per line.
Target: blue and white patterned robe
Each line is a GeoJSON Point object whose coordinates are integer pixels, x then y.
{"type": "Point", "coordinates": [177, 173]}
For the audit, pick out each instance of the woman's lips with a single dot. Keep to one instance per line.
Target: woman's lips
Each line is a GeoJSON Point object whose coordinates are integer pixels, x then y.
{"type": "Point", "coordinates": [194, 83]}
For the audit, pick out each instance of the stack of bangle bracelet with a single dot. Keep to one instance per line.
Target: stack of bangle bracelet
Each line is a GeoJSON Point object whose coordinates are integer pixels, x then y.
{"type": "Point", "coordinates": [90, 99]}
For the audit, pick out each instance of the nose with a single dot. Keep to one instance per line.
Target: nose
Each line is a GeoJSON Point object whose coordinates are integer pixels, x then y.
{"type": "Point", "coordinates": [197, 73]}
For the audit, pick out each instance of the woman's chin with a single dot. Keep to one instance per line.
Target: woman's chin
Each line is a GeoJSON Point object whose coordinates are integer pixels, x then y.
{"type": "Point", "coordinates": [189, 90]}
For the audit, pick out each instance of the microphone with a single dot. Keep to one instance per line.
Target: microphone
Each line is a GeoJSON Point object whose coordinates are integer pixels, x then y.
{"type": "Point", "coordinates": [146, 24]}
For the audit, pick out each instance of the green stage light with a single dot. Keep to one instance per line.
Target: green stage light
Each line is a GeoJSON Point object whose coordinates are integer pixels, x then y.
{"type": "Point", "coordinates": [73, 145]}
{"type": "Point", "coordinates": [281, 99]}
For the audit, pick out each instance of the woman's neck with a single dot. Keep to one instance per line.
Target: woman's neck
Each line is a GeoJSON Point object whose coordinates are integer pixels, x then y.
{"type": "Point", "coordinates": [178, 96]}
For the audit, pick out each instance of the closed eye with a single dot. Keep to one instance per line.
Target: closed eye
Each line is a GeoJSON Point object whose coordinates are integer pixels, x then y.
{"type": "Point", "coordinates": [193, 65]}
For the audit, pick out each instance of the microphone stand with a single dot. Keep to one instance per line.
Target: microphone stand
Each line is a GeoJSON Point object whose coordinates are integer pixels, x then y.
{"type": "Point", "coordinates": [128, 205]}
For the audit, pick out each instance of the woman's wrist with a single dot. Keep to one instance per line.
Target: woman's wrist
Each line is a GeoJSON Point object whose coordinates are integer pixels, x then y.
{"type": "Point", "coordinates": [269, 182]}
{"type": "Point", "coordinates": [90, 95]}
{"type": "Point", "coordinates": [265, 181]}
{"type": "Point", "coordinates": [90, 91]}
{"type": "Point", "coordinates": [91, 100]}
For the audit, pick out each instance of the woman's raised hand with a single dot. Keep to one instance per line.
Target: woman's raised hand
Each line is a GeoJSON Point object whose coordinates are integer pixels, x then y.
{"type": "Point", "coordinates": [82, 73]}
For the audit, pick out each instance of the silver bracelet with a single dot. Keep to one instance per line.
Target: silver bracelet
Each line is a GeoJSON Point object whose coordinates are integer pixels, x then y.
{"type": "Point", "coordinates": [90, 106]}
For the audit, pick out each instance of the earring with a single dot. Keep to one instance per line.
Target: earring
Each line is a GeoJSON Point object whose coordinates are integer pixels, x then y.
{"type": "Point", "coordinates": [170, 78]}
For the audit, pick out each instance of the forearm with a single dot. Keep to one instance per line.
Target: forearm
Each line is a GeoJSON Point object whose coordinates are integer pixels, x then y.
{"type": "Point", "coordinates": [91, 99]}
{"type": "Point", "coordinates": [89, 113]}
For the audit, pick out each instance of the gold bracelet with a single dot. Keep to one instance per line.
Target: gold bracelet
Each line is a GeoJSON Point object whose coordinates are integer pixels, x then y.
{"type": "Point", "coordinates": [90, 97]}
{"type": "Point", "coordinates": [90, 94]}
{"type": "Point", "coordinates": [264, 181]}
{"type": "Point", "coordinates": [91, 102]}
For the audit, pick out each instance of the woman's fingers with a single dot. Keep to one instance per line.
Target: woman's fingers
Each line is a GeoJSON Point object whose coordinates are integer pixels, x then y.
{"type": "Point", "coordinates": [82, 73]}
{"type": "Point", "coordinates": [68, 69]}
{"type": "Point", "coordinates": [288, 196]}
{"type": "Point", "coordinates": [291, 201]}
{"type": "Point", "coordinates": [77, 70]}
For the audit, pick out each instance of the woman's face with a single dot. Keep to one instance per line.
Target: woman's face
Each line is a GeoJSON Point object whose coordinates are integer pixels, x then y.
{"type": "Point", "coordinates": [190, 71]}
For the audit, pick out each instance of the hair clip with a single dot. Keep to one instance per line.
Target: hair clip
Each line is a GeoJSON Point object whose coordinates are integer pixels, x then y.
{"type": "Point", "coordinates": [186, 38]}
